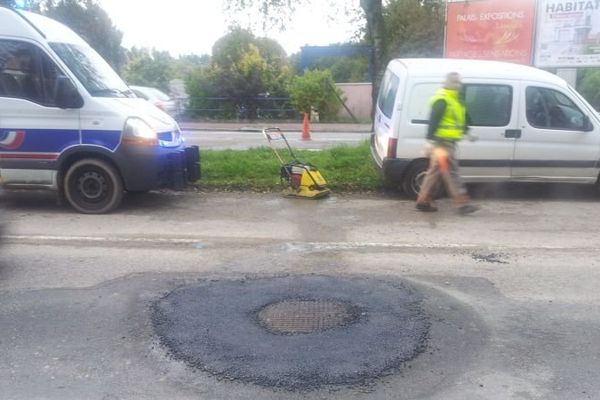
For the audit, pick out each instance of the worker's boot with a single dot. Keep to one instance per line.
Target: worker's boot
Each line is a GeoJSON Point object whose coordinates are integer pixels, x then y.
{"type": "Point", "coordinates": [425, 204]}
{"type": "Point", "coordinates": [463, 205]}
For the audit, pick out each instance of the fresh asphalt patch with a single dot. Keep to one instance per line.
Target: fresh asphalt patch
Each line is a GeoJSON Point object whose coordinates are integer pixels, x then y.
{"type": "Point", "coordinates": [216, 327]}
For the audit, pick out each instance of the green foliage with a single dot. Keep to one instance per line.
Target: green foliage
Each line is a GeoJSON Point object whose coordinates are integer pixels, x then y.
{"type": "Point", "coordinates": [414, 28]}
{"type": "Point", "coordinates": [316, 89]}
{"type": "Point", "coordinates": [344, 69]}
{"type": "Point", "coordinates": [589, 87]}
{"type": "Point", "coordinates": [200, 85]}
{"type": "Point", "coordinates": [91, 22]}
{"type": "Point", "coordinates": [186, 64]}
{"type": "Point", "coordinates": [149, 68]}
{"type": "Point", "coordinates": [347, 168]}
{"type": "Point", "coordinates": [242, 68]}
{"type": "Point", "coordinates": [239, 169]}
{"type": "Point", "coordinates": [248, 66]}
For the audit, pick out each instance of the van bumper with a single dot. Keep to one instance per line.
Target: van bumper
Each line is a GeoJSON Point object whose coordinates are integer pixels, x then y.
{"type": "Point", "coordinates": [147, 168]}
{"type": "Point", "coordinates": [392, 169]}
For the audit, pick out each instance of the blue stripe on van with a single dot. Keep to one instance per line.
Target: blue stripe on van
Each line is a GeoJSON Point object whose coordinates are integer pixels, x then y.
{"type": "Point", "coordinates": [108, 139]}
{"type": "Point", "coordinates": [44, 140]}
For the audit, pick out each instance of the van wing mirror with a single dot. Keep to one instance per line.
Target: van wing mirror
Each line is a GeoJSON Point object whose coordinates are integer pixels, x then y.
{"type": "Point", "coordinates": [67, 95]}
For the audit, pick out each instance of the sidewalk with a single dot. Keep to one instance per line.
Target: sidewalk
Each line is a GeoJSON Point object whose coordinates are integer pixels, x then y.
{"type": "Point", "coordinates": [284, 126]}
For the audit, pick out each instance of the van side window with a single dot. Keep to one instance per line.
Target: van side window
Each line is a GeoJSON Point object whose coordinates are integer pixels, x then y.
{"type": "Point", "coordinates": [488, 105]}
{"type": "Point", "coordinates": [551, 109]}
{"type": "Point", "coordinates": [387, 93]}
{"type": "Point", "coordinates": [27, 73]}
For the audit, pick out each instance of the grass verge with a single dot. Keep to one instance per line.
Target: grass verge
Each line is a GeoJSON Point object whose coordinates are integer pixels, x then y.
{"type": "Point", "coordinates": [345, 168]}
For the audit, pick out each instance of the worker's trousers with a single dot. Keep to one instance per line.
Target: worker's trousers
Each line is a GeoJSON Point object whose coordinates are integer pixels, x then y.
{"type": "Point", "coordinates": [443, 170]}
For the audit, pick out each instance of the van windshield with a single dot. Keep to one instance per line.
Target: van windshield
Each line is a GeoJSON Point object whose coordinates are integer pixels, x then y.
{"type": "Point", "coordinates": [92, 71]}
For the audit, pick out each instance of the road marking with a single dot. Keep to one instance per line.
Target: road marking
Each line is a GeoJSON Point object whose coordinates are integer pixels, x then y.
{"type": "Point", "coordinates": [294, 246]}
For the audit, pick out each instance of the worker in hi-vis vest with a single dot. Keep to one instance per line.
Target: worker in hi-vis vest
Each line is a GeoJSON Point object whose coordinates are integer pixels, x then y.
{"type": "Point", "coordinates": [447, 125]}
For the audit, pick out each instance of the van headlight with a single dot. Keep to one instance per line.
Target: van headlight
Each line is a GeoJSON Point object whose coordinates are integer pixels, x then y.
{"type": "Point", "coordinates": [137, 131]}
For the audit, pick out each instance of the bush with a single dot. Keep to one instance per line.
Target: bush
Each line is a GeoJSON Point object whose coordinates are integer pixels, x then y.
{"type": "Point", "coordinates": [315, 89]}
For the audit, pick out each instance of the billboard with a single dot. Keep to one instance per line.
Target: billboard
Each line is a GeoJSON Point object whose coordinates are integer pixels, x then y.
{"type": "Point", "coordinates": [491, 30]}
{"type": "Point", "coordinates": [568, 34]}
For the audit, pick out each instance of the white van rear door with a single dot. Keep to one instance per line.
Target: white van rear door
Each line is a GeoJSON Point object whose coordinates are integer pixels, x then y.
{"type": "Point", "coordinates": [386, 114]}
{"type": "Point", "coordinates": [492, 108]}
{"type": "Point", "coordinates": [554, 144]}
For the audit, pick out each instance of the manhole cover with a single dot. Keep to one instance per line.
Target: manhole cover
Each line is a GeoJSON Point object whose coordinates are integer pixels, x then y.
{"type": "Point", "coordinates": [292, 317]}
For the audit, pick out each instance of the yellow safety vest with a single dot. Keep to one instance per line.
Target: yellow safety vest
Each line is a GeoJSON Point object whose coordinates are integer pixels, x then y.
{"type": "Point", "coordinates": [452, 125]}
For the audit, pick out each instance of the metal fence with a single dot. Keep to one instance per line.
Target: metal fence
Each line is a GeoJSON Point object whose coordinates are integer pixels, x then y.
{"type": "Point", "coordinates": [246, 108]}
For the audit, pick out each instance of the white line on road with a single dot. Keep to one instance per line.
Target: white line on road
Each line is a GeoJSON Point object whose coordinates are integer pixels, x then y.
{"type": "Point", "coordinates": [293, 246]}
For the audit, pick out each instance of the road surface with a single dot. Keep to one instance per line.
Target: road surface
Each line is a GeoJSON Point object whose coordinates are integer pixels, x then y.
{"type": "Point", "coordinates": [509, 297]}
{"type": "Point", "coordinates": [239, 140]}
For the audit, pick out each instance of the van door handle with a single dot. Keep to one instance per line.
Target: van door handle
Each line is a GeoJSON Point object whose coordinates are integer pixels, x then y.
{"type": "Point", "coordinates": [512, 133]}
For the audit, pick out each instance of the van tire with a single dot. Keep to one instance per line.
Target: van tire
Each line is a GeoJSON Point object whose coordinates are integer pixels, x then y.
{"type": "Point", "coordinates": [413, 178]}
{"type": "Point", "coordinates": [93, 186]}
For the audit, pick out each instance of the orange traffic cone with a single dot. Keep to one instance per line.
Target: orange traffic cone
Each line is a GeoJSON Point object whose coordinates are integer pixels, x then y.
{"type": "Point", "coordinates": [305, 128]}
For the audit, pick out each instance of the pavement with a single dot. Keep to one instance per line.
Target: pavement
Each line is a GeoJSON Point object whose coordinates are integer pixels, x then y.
{"type": "Point", "coordinates": [230, 126]}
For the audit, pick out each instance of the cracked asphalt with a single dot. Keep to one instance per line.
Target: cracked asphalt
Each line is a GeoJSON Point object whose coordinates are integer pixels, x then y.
{"type": "Point", "coordinates": [509, 297]}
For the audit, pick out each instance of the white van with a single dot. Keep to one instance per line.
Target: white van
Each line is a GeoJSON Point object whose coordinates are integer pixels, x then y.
{"type": "Point", "coordinates": [532, 126]}
{"type": "Point", "coordinates": [69, 123]}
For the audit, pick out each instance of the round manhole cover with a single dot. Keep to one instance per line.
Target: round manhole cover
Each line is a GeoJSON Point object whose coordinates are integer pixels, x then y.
{"type": "Point", "coordinates": [293, 317]}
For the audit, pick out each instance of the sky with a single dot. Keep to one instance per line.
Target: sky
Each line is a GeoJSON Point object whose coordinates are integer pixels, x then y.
{"type": "Point", "coordinates": [192, 26]}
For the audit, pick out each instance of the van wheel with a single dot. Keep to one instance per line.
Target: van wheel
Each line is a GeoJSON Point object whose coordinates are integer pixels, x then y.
{"type": "Point", "coordinates": [93, 186]}
{"type": "Point", "coordinates": [413, 179]}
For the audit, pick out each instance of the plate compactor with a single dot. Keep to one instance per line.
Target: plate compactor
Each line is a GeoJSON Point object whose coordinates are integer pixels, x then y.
{"type": "Point", "coordinates": [301, 179]}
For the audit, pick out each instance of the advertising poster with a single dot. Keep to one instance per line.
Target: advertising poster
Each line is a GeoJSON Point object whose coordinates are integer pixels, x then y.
{"type": "Point", "coordinates": [491, 30]}
{"type": "Point", "coordinates": [568, 34]}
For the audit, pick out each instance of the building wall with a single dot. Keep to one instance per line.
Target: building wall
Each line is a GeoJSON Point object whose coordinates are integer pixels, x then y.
{"type": "Point", "coordinates": [358, 99]}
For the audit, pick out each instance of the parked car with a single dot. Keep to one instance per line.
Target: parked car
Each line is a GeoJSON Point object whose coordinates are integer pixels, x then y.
{"type": "Point", "coordinates": [532, 126]}
{"type": "Point", "coordinates": [158, 98]}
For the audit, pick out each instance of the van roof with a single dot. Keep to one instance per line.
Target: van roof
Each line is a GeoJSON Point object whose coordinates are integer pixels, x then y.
{"type": "Point", "coordinates": [28, 25]}
{"type": "Point", "coordinates": [434, 67]}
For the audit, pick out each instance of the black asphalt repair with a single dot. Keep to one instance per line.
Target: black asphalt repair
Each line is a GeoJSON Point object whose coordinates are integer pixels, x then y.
{"type": "Point", "coordinates": [372, 328]}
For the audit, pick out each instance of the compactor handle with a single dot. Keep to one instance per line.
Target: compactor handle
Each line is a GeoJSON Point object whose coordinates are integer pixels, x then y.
{"type": "Point", "coordinates": [273, 134]}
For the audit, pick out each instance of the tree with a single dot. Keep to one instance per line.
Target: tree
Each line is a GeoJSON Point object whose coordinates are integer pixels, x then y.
{"type": "Point", "coordinates": [91, 22]}
{"type": "Point", "coordinates": [344, 69]}
{"type": "Point", "coordinates": [242, 69]}
{"type": "Point", "coordinates": [414, 28]}
{"type": "Point", "coordinates": [149, 68]}
{"type": "Point", "coordinates": [276, 10]}
{"type": "Point", "coordinates": [7, 3]}
{"type": "Point", "coordinates": [376, 35]}
{"type": "Point", "coordinates": [246, 67]}
{"type": "Point", "coordinates": [201, 86]}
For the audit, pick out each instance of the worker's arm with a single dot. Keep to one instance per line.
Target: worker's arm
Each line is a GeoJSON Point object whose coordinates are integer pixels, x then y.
{"type": "Point", "coordinates": [437, 112]}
